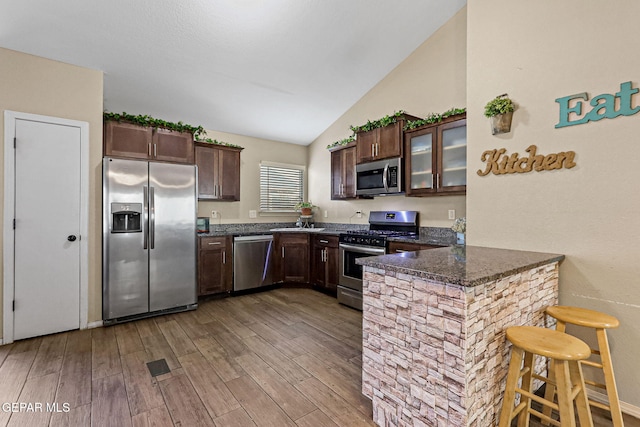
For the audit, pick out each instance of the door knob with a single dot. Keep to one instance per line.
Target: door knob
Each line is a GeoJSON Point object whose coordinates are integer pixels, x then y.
{"type": "Point", "coordinates": [71, 238]}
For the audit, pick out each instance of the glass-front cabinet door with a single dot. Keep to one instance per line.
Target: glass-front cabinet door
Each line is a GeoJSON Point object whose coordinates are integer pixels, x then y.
{"type": "Point", "coordinates": [453, 165]}
{"type": "Point", "coordinates": [421, 167]}
{"type": "Point", "coordinates": [436, 158]}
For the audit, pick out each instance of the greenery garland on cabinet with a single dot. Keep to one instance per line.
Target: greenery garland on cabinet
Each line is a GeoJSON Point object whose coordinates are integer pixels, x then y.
{"type": "Point", "coordinates": [387, 120]}
{"type": "Point", "coordinates": [434, 118]}
{"type": "Point", "coordinates": [198, 132]}
{"type": "Point", "coordinates": [370, 125]}
{"type": "Point", "coordinates": [380, 123]}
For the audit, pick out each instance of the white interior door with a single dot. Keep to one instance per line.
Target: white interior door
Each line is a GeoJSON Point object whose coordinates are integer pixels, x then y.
{"type": "Point", "coordinates": [47, 236]}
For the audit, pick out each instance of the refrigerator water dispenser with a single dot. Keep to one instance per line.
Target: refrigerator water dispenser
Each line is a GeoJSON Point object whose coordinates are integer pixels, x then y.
{"type": "Point", "coordinates": [126, 217]}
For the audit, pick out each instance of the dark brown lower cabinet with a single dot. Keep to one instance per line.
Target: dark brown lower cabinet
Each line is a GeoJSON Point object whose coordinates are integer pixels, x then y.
{"type": "Point", "coordinates": [324, 262]}
{"type": "Point", "coordinates": [215, 265]}
{"type": "Point", "coordinates": [291, 257]}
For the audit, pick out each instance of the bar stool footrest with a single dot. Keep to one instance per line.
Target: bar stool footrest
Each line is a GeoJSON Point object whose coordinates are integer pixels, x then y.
{"type": "Point", "coordinates": [599, 405]}
{"type": "Point", "coordinates": [538, 399]}
{"type": "Point", "coordinates": [543, 417]}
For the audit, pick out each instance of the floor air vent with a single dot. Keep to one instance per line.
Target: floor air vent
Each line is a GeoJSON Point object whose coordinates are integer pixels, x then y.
{"type": "Point", "coordinates": [158, 367]}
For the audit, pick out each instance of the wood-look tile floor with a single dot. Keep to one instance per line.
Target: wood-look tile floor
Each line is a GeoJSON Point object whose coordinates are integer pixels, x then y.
{"type": "Point", "coordinates": [285, 357]}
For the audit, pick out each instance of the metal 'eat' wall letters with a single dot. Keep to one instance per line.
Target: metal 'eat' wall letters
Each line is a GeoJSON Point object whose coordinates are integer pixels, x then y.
{"type": "Point", "coordinates": [603, 106]}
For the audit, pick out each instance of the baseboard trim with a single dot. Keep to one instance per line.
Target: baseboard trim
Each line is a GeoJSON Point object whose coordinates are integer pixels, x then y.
{"type": "Point", "coordinates": [626, 408]}
{"type": "Point", "coordinates": [96, 324]}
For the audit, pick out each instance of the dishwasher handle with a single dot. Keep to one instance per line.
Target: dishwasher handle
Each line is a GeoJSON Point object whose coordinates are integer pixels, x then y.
{"type": "Point", "coordinates": [256, 238]}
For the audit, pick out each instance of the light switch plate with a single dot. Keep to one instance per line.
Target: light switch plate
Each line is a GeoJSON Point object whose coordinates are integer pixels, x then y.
{"type": "Point", "coordinates": [452, 214]}
{"type": "Point", "coordinates": [252, 214]}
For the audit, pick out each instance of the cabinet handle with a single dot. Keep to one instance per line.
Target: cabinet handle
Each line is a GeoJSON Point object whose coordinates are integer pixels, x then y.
{"type": "Point", "coordinates": [377, 149]}
{"type": "Point", "coordinates": [324, 241]}
{"type": "Point", "coordinates": [214, 243]}
{"type": "Point", "coordinates": [373, 150]}
{"type": "Point", "coordinates": [224, 257]}
{"type": "Point", "coordinates": [149, 149]}
{"type": "Point", "coordinates": [155, 150]}
{"type": "Point", "coordinates": [324, 255]}
{"type": "Point", "coordinates": [401, 250]}
{"type": "Point", "coordinates": [283, 252]}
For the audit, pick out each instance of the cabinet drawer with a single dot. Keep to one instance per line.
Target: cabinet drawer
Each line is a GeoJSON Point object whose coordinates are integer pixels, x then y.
{"type": "Point", "coordinates": [292, 238]}
{"type": "Point", "coordinates": [325, 240]}
{"type": "Point", "coordinates": [210, 243]}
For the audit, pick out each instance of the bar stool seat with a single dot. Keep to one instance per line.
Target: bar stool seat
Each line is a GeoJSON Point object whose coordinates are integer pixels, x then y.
{"type": "Point", "coordinates": [566, 351]}
{"type": "Point", "coordinates": [600, 322]}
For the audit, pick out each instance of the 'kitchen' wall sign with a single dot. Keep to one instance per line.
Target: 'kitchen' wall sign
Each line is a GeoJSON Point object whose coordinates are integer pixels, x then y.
{"type": "Point", "coordinates": [603, 106]}
{"type": "Point", "coordinates": [501, 163]}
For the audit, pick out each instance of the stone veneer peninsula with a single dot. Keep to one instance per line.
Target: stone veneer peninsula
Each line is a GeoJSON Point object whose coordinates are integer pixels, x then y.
{"type": "Point", "coordinates": [434, 346]}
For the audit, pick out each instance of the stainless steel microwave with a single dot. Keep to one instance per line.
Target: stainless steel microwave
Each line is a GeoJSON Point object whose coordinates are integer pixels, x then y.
{"type": "Point", "coordinates": [379, 178]}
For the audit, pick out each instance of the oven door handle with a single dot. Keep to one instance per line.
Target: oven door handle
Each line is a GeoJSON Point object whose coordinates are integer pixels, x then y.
{"type": "Point", "coordinates": [372, 251]}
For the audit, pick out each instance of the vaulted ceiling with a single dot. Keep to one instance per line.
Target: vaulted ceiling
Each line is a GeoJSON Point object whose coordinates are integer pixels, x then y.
{"type": "Point", "coordinates": [276, 69]}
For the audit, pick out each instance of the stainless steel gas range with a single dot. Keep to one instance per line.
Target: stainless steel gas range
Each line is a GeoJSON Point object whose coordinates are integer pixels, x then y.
{"type": "Point", "coordinates": [362, 243]}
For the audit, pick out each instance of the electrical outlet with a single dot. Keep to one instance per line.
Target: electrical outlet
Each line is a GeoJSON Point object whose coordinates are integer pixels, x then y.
{"type": "Point", "coordinates": [452, 214]}
{"type": "Point", "coordinates": [326, 214]}
{"type": "Point", "coordinates": [359, 214]}
{"type": "Point", "coordinates": [253, 214]}
{"type": "Point", "coordinates": [214, 214]}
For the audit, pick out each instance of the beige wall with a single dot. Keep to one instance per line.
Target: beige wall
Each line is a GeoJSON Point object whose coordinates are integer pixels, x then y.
{"type": "Point", "coordinates": [431, 80]}
{"type": "Point", "coordinates": [255, 151]}
{"type": "Point", "coordinates": [537, 52]}
{"type": "Point", "coordinates": [30, 84]}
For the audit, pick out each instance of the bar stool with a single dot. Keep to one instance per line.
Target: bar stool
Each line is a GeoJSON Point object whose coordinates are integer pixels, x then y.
{"type": "Point", "coordinates": [565, 351]}
{"type": "Point", "coordinates": [600, 322]}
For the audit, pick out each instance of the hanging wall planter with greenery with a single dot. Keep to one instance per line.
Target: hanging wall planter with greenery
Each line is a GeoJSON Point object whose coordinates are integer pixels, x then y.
{"type": "Point", "coordinates": [500, 111]}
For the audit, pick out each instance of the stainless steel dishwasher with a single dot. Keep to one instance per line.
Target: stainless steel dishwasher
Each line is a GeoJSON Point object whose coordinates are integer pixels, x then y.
{"type": "Point", "coordinates": [252, 264]}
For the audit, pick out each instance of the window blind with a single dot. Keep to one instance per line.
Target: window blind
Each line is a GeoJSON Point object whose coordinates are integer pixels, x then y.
{"type": "Point", "coordinates": [281, 187]}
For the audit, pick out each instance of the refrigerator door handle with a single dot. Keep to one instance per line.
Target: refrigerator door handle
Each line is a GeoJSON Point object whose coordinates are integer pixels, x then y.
{"type": "Point", "coordinates": [145, 230]}
{"type": "Point", "coordinates": [152, 218]}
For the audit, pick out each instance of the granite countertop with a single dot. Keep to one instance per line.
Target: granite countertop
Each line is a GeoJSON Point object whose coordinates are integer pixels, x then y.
{"type": "Point", "coordinates": [256, 232]}
{"type": "Point", "coordinates": [422, 240]}
{"type": "Point", "coordinates": [461, 265]}
{"type": "Point", "coordinates": [428, 235]}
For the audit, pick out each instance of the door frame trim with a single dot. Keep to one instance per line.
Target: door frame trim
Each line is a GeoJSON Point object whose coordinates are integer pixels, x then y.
{"type": "Point", "coordinates": [8, 243]}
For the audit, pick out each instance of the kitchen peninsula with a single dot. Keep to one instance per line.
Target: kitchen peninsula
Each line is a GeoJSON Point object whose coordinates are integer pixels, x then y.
{"type": "Point", "coordinates": [434, 347]}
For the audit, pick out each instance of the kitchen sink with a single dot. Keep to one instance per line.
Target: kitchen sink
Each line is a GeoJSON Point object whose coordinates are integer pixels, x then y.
{"type": "Point", "coordinates": [298, 229]}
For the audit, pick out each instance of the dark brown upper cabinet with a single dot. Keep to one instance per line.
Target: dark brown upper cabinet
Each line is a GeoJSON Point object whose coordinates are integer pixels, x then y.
{"type": "Point", "coordinates": [381, 143]}
{"type": "Point", "coordinates": [343, 173]}
{"type": "Point", "coordinates": [436, 158]}
{"type": "Point", "coordinates": [131, 141]}
{"type": "Point", "coordinates": [218, 172]}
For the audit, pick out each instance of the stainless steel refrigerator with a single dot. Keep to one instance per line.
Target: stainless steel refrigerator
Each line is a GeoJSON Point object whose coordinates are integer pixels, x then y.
{"type": "Point", "coordinates": [149, 239]}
